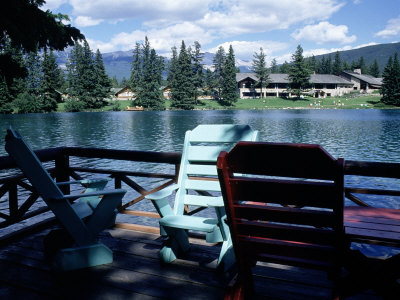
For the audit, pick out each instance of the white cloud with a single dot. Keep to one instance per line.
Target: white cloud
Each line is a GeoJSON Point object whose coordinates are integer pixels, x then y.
{"type": "Point", "coordinates": [324, 32]}
{"type": "Point", "coordinates": [260, 16]}
{"type": "Point", "coordinates": [83, 21]}
{"type": "Point", "coordinates": [162, 40]}
{"type": "Point", "coordinates": [220, 19]}
{"type": "Point", "coordinates": [245, 50]}
{"type": "Point", "coordinates": [392, 28]}
{"type": "Point", "coordinates": [174, 11]}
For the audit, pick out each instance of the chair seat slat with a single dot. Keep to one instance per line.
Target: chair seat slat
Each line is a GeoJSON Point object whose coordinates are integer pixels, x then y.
{"type": "Point", "coordinates": [322, 218]}
{"type": "Point", "coordinates": [203, 185]}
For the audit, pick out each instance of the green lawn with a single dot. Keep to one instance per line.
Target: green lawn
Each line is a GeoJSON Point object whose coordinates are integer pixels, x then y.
{"type": "Point", "coordinates": [349, 101]}
{"type": "Point", "coordinates": [360, 101]}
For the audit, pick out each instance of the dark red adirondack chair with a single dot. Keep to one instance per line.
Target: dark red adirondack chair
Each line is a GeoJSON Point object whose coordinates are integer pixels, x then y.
{"type": "Point", "coordinates": [284, 205]}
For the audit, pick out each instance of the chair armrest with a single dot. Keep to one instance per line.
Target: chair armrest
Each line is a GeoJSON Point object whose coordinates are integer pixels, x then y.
{"type": "Point", "coordinates": [97, 193]}
{"type": "Point", "coordinates": [162, 193]}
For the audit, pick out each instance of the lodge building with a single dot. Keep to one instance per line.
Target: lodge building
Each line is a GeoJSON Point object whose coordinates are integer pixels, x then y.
{"type": "Point", "coordinates": [321, 85]}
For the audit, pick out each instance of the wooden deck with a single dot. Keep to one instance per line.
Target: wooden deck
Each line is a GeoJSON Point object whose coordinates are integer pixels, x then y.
{"type": "Point", "coordinates": [137, 273]}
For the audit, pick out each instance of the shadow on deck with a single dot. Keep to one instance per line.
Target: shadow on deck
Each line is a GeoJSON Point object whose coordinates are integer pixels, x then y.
{"type": "Point", "coordinates": [137, 273]}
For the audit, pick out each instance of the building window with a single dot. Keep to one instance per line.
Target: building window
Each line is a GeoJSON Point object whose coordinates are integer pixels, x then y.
{"type": "Point", "coordinates": [318, 86]}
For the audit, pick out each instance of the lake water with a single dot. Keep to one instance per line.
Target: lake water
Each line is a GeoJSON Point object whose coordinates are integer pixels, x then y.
{"type": "Point", "coordinates": [365, 134]}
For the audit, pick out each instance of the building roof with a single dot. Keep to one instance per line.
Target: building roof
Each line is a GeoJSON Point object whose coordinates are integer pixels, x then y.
{"type": "Point", "coordinates": [117, 91]}
{"type": "Point", "coordinates": [330, 79]}
{"type": "Point", "coordinates": [367, 78]}
{"type": "Point", "coordinates": [283, 78]}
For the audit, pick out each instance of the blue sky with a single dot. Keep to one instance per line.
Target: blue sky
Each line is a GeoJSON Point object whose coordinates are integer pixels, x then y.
{"type": "Point", "coordinates": [278, 26]}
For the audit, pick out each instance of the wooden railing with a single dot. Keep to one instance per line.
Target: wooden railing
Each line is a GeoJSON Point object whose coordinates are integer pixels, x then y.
{"type": "Point", "coordinates": [371, 169]}
{"type": "Point", "coordinates": [20, 208]}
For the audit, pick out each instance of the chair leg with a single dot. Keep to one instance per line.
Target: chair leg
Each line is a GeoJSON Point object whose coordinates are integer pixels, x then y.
{"type": "Point", "coordinates": [215, 236]}
{"type": "Point", "coordinates": [177, 243]}
{"type": "Point", "coordinates": [82, 257]}
{"type": "Point", "coordinates": [226, 258]}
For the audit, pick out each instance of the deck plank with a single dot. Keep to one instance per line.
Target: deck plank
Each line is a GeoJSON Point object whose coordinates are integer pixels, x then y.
{"type": "Point", "coordinates": [137, 273]}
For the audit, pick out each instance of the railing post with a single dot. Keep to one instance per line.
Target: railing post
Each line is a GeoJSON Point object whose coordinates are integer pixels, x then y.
{"type": "Point", "coordinates": [117, 182]}
{"type": "Point", "coordinates": [13, 200]}
{"type": "Point", "coordinates": [62, 171]}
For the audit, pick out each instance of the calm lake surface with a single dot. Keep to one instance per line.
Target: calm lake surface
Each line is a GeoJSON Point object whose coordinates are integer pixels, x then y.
{"type": "Point", "coordinates": [365, 134]}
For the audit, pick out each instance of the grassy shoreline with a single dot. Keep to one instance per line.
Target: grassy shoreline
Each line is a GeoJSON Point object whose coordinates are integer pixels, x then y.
{"type": "Point", "coordinates": [354, 101]}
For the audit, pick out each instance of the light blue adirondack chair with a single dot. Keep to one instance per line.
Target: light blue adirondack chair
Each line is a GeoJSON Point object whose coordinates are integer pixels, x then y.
{"type": "Point", "coordinates": [198, 173]}
{"type": "Point", "coordinates": [81, 220]}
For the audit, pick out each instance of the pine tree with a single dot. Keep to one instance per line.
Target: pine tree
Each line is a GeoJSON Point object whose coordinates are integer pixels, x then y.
{"type": "Point", "coordinates": [362, 65]}
{"type": "Point", "coordinates": [274, 66]}
{"type": "Point", "coordinates": [218, 62]}
{"type": "Point", "coordinates": [114, 82]}
{"type": "Point", "coordinates": [299, 75]}
{"type": "Point", "coordinates": [86, 74]}
{"type": "Point", "coordinates": [261, 70]}
{"type": "Point", "coordinates": [136, 68]}
{"type": "Point", "coordinates": [387, 83]}
{"type": "Point", "coordinates": [312, 64]}
{"type": "Point", "coordinates": [102, 81]}
{"type": "Point", "coordinates": [328, 66]}
{"type": "Point", "coordinates": [337, 64]}
{"type": "Point", "coordinates": [74, 86]}
{"type": "Point", "coordinates": [28, 101]}
{"type": "Point", "coordinates": [49, 83]}
{"type": "Point", "coordinates": [172, 69]}
{"type": "Point", "coordinates": [182, 92]}
{"type": "Point", "coordinates": [346, 66]}
{"type": "Point", "coordinates": [148, 91]}
{"type": "Point", "coordinates": [374, 69]}
{"type": "Point", "coordinates": [285, 67]}
{"type": "Point", "coordinates": [396, 80]}
{"type": "Point", "coordinates": [87, 78]}
{"type": "Point", "coordinates": [354, 65]}
{"type": "Point", "coordinates": [197, 67]}
{"type": "Point", "coordinates": [33, 65]}
{"type": "Point", "coordinates": [124, 83]}
{"type": "Point", "coordinates": [5, 99]}
{"type": "Point", "coordinates": [322, 66]}
{"type": "Point", "coordinates": [209, 81]}
{"type": "Point", "coordinates": [229, 85]}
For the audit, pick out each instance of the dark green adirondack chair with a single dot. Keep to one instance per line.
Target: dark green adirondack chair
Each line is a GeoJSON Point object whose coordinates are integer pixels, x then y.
{"type": "Point", "coordinates": [198, 173]}
{"type": "Point", "coordinates": [82, 220]}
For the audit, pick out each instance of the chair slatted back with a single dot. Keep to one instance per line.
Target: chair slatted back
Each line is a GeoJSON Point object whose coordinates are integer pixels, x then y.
{"type": "Point", "coordinates": [41, 180]}
{"type": "Point", "coordinates": [198, 170]}
{"type": "Point", "coordinates": [286, 206]}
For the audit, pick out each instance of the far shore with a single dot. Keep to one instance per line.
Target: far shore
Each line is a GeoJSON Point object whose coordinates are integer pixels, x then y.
{"type": "Point", "coordinates": [352, 101]}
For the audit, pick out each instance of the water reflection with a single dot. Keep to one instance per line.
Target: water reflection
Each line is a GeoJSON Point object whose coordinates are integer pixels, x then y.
{"type": "Point", "coordinates": [352, 134]}
{"type": "Point", "coordinates": [372, 135]}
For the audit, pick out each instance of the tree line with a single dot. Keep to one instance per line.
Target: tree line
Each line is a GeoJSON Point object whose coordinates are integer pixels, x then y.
{"type": "Point", "coordinates": [41, 88]}
{"type": "Point", "coordinates": [186, 77]}
{"type": "Point", "coordinates": [23, 75]}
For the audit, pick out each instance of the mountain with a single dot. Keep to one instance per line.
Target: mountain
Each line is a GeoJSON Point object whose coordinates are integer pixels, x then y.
{"type": "Point", "coordinates": [119, 63]}
{"type": "Point", "coordinates": [380, 52]}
